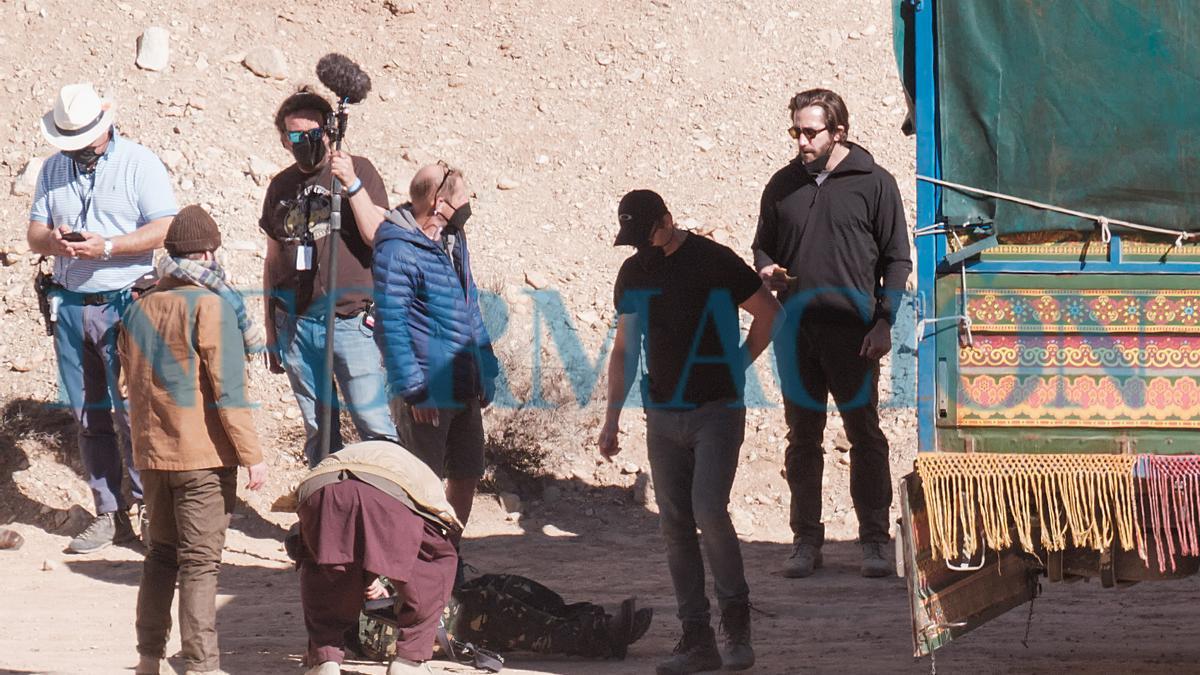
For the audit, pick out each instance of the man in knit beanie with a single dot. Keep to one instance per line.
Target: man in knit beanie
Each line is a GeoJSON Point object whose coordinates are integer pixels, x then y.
{"type": "Point", "coordinates": [184, 348]}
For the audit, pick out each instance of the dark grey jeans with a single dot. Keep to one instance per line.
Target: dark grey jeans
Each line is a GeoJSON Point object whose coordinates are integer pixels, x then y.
{"type": "Point", "coordinates": [693, 457]}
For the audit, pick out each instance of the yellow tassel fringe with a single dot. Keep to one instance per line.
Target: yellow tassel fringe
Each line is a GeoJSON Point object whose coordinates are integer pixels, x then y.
{"type": "Point", "coordinates": [1083, 500]}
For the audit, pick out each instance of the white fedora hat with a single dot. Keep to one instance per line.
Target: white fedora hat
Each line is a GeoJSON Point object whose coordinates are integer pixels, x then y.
{"type": "Point", "coordinates": [78, 118]}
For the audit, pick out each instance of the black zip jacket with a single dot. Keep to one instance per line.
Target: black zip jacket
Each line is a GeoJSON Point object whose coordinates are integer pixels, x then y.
{"type": "Point", "coordinates": [845, 240]}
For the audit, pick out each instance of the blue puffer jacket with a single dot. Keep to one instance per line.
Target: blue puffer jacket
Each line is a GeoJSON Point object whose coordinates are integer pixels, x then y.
{"type": "Point", "coordinates": [431, 332]}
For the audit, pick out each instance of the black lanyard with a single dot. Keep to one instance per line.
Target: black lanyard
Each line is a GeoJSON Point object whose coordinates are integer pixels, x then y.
{"type": "Point", "coordinates": [85, 199]}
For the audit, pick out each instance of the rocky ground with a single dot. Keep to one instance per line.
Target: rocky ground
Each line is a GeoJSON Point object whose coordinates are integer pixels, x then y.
{"type": "Point", "coordinates": [554, 109]}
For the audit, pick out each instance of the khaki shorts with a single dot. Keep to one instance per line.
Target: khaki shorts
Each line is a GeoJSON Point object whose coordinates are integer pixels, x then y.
{"type": "Point", "coordinates": [454, 448]}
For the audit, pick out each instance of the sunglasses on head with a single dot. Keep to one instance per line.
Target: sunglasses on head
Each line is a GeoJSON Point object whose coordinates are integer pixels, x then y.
{"type": "Point", "coordinates": [313, 135]}
{"type": "Point", "coordinates": [449, 171]}
{"type": "Point", "coordinates": [797, 132]}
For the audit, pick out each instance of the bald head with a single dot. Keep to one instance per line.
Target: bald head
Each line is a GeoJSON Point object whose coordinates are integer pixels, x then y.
{"type": "Point", "coordinates": [435, 181]}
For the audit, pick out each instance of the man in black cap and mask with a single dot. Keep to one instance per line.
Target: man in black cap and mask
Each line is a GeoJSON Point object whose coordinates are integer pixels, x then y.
{"type": "Point", "coordinates": [295, 217]}
{"type": "Point", "coordinates": [832, 241]}
{"type": "Point", "coordinates": [678, 296]}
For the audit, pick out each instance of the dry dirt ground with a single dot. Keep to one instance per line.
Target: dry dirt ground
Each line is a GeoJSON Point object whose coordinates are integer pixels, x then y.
{"type": "Point", "coordinates": [554, 109]}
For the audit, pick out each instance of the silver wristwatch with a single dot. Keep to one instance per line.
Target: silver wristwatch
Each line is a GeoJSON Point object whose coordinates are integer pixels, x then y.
{"type": "Point", "coordinates": [108, 247]}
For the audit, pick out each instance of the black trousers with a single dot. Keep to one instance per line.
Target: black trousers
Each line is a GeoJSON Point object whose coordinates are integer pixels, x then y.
{"type": "Point", "coordinates": [826, 362]}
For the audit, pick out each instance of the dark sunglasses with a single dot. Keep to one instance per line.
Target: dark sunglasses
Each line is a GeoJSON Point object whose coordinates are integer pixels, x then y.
{"type": "Point", "coordinates": [313, 135]}
{"type": "Point", "coordinates": [796, 132]}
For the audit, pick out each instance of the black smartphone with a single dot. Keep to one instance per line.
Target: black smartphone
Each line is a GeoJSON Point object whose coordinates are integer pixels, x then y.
{"type": "Point", "coordinates": [73, 237]}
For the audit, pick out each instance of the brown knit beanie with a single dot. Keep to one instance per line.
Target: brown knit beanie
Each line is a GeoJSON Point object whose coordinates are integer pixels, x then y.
{"type": "Point", "coordinates": [192, 231]}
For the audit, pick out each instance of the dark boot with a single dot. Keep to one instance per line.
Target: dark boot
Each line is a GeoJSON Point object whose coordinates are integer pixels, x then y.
{"type": "Point", "coordinates": [804, 560]}
{"type": "Point", "coordinates": [735, 625]}
{"type": "Point", "coordinates": [696, 651]}
{"type": "Point", "coordinates": [620, 628]}
{"type": "Point", "coordinates": [875, 563]}
{"type": "Point", "coordinates": [641, 623]}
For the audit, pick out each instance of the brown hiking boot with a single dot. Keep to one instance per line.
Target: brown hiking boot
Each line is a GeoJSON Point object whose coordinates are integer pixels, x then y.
{"type": "Point", "coordinates": [696, 651]}
{"type": "Point", "coordinates": [735, 625]}
{"type": "Point", "coordinates": [874, 562]}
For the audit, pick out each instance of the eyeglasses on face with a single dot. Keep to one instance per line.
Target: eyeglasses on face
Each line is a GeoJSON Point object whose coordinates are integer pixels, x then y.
{"type": "Point", "coordinates": [797, 132]}
{"type": "Point", "coordinates": [313, 135]}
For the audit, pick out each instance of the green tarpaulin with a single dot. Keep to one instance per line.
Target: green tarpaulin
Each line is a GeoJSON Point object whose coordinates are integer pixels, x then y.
{"type": "Point", "coordinates": [1093, 105]}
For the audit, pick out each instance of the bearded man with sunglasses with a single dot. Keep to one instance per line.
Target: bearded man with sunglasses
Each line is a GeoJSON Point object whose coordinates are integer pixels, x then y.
{"type": "Point", "coordinates": [295, 218]}
{"type": "Point", "coordinates": [832, 241]}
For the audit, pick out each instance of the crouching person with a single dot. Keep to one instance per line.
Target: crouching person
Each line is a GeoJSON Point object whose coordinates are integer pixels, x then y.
{"type": "Point", "coordinates": [374, 510]}
{"type": "Point", "coordinates": [184, 348]}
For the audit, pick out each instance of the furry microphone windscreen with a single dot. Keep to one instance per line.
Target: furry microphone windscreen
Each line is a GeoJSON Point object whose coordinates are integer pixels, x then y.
{"type": "Point", "coordinates": [343, 77]}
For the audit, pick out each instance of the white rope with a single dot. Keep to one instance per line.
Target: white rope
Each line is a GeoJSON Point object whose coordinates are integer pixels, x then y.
{"type": "Point", "coordinates": [929, 229]}
{"type": "Point", "coordinates": [942, 228]}
{"type": "Point", "coordinates": [1102, 221]}
{"type": "Point", "coordinates": [961, 318]}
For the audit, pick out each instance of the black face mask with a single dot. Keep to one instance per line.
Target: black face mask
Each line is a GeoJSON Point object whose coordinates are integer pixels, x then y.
{"type": "Point", "coordinates": [308, 154]}
{"type": "Point", "coordinates": [650, 256]}
{"type": "Point", "coordinates": [818, 165]}
{"type": "Point", "coordinates": [85, 158]}
{"type": "Point", "coordinates": [456, 222]}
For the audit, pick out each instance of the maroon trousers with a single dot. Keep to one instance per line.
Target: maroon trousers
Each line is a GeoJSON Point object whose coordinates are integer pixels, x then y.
{"type": "Point", "coordinates": [353, 533]}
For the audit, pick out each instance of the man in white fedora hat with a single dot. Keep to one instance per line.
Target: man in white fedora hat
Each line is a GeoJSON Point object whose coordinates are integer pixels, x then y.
{"type": "Point", "coordinates": [102, 205]}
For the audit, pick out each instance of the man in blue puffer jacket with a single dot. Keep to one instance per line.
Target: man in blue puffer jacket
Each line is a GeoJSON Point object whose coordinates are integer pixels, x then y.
{"type": "Point", "coordinates": [439, 359]}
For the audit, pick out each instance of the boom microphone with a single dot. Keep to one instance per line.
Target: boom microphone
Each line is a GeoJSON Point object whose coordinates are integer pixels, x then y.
{"type": "Point", "coordinates": [343, 77]}
{"type": "Point", "coordinates": [351, 85]}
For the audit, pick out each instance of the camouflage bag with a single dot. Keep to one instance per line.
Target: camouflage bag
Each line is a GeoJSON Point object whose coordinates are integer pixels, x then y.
{"type": "Point", "coordinates": [508, 612]}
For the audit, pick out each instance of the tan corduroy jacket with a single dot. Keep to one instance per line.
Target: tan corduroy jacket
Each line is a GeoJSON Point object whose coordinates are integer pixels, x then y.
{"type": "Point", "coordinates": [390, 468]}
{"type": "Point", "coordinates": [184, 372]}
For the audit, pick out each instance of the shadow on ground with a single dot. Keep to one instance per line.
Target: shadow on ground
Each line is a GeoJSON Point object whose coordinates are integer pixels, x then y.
{"type": "Point", "coordinates": [30, 429]}
{"type": "Point", "coordinates": [596, 543]}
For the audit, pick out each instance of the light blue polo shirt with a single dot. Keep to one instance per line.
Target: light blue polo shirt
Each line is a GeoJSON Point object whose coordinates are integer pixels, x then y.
{"type": "Point", "coordinates": [129, 188]}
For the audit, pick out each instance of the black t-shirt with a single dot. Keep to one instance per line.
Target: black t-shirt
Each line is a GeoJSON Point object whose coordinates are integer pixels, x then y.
{"type": "Point", "coordinates": [687, 308]}
{"type": "Point", "coordinates": [295, 213]}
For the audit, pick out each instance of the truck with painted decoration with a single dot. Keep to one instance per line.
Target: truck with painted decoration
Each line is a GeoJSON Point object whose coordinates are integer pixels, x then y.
{"type": "Point", "coordinates": [1058, 259]}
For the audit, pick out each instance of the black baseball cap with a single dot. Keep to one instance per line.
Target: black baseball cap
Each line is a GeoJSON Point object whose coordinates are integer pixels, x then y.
{"type": "Point", "coordinates": [637, 214]}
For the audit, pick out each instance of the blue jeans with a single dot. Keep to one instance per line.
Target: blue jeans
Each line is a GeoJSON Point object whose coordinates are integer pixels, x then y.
{"type": "Point", "coordinates": [357, 369]}
{"type": "Point", "coordinates": [693, 459]}
{"type": "Point", "coordinates": [85, 340]}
